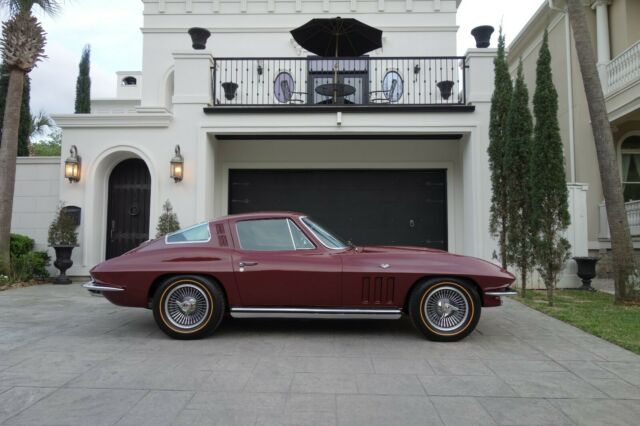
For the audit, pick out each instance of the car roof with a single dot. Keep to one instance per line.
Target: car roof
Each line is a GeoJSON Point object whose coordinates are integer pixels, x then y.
{"type": "Point", "coordinates": [260, 215]}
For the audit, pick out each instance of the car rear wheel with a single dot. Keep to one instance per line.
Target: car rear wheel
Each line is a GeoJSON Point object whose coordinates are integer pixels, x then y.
{"type": "Point", "coordinates": [444, 309]}
{"type": "Point", "coordinates": [188, 307]}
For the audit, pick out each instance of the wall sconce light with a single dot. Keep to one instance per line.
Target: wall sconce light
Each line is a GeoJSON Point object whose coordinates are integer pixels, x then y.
{"type": "Point", "coordinates": [72, 165]}
{"type": "Point", "coordinates": [177, 166]}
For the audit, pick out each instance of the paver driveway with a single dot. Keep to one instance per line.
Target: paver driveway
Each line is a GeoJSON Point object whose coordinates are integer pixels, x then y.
{"type": "Point", "coordinates": [70, 359]}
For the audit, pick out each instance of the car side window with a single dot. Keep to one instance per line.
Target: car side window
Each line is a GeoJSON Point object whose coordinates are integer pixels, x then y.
{"type": "Point", "coordinates": [299, 239]}
{"type": "Point", "coordinates": [194, 234]}
{"type": "Point", "coordinates": [265, 235]}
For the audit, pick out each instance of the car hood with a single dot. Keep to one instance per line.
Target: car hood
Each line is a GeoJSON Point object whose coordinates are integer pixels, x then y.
{"type": "Point", "coordinates": [427, 260]}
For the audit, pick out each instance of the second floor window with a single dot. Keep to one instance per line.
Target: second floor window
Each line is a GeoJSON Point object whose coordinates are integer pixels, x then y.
{"type": "Point", "coordinates": [630, 166]}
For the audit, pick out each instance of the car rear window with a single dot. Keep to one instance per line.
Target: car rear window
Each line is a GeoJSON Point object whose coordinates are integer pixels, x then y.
{"type": "Point", "coordinates": [194, 234]}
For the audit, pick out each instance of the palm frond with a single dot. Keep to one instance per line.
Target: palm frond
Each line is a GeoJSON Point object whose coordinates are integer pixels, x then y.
{"type": "Point", "coordinates": [49, 7]}
{"type": "Point", "coordinates": [41, 123]}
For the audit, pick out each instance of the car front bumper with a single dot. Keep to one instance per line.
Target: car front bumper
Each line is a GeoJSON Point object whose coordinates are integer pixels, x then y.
{"type": "Point", "coordinates": [97, 289]}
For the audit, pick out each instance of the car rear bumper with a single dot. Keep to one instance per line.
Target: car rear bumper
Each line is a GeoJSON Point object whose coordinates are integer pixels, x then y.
{"type": "Point", "coordinates": [508, 291]}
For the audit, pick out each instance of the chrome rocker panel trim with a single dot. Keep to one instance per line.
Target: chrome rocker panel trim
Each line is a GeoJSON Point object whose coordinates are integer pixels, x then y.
{"type": "Point", "coordinates": [506, 292]}
{"type": "Point", "coordinates": [97, 289]}
{"type": "Point", "coordinates": [315, 313]}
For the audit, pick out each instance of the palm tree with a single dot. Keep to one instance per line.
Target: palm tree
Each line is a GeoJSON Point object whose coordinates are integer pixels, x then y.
{"type": "Point", "coordinates": [22, 45]}
{"type": "Point", "coordinates": [621, 245]}
{"type": "Point", "coordinates": [40, 125]}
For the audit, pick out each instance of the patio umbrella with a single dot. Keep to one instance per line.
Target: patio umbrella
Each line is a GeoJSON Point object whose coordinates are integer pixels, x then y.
{"type": "Point", "coordinates": [337, 37]}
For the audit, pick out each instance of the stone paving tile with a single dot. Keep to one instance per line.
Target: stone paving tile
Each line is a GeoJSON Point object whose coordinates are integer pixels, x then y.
{"type": "Point", "coordinates": [587, 370]}
{"type": "Point", "coordinates": [550, 385]}
{"type": "Point", "coordinates": [311, 402]}
{"type": "Point", "coordinates": [598, 412]}
{"type": "Point", "coordinates": [466, 386]}
{"type": "Point", "coordinates": [264, 403]}
{"type": "Point", "coordinates": [524, 411]}
{"type": "Point", "coordinates": [463, 410]}
{"type": "Point", "coordinates": [226, 381]}
{"type": "Point", "coordinates": [323, 383]}
{"type": "Point", "coordinates": [629, 371]}
{"type": "Point", "coordinates": [373, 410]}
{"type": "Point", "coordinates": [269, 381]}
{"type": "Point", "coordinates": [616, 388]}
{"type": "Point", "coordinates": [79, 407]}
{"type": "Point", "coordinates": [16, 399]}
{"type": "Point", "coordinates": [315, 364]}
{"type": "Point", "coordinates": [517, 366]}
{"type": "Point", "coordinates": [389, 384]}
{"type": "Point", "coordinates": [157, 408]}
{"type": "Point", "coordinates": [456, 367]}
{"type": "Point", "coordinates": [401, 366]}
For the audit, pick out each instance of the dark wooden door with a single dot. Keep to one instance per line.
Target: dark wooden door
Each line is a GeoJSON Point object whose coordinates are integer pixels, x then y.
{"type": "Point", "coordinates": [368, 207]}
{"type": "Point", "coordinates": [128, 209]}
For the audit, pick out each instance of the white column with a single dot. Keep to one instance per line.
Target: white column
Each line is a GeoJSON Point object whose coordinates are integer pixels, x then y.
{"type": "Point", "coordinates": [192, 78]}
{"type": "Point", "coordinates": [476, 175]}
{"type": "Point", "coordinates": [602, 36]}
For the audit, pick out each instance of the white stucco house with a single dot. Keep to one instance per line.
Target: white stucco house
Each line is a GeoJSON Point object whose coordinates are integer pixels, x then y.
{"type": "Point", "coordinates": [396, 161]}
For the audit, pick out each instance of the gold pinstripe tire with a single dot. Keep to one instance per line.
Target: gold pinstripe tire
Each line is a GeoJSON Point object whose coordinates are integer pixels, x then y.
{"type": "Point", "coordinates": [188, 307]}
{"type": "Point", "coordinates": [444, 309]}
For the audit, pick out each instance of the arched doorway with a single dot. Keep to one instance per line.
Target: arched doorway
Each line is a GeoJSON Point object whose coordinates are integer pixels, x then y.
{"type": "Point", "coordinates": [128, 207]}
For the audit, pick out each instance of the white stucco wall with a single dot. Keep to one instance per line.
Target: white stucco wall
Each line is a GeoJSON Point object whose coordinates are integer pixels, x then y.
{"type": "Point", "coordinates": [36, 198]}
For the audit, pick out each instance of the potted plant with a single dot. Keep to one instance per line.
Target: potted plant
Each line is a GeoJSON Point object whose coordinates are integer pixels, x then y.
{"type": "Point", "coordinates": [445, 88]}
{"type": "Point", "coordinates": [199, 37]}
{"type": "Point", "coordinates": [63, 238]}
{"type": "Point", "coordinates": [168, 220]}
{"type": "Point", "coordinates": [482, 34]}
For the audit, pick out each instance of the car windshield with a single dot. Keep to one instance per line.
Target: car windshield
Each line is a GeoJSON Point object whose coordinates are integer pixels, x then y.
{"type": "Point", "coordinates": [328, 239]}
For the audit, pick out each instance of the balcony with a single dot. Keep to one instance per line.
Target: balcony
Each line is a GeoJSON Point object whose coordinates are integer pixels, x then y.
{"type": "Point", "coordinates": [623, 70]}
{"type": "Point", "coordinates": [321, 83]}
{"type": "Point", "coordinates": [633, 216]}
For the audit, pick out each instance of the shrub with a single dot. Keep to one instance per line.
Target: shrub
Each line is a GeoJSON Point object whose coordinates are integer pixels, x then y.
{"type": "Point", "coordinates": [62, 230]}
{"type": "Point", "coordinates": [168, 221]}
{"type": "Point", "coordinates": [20, 245]}
{"type": "Point", "coordinates": [30, 265]}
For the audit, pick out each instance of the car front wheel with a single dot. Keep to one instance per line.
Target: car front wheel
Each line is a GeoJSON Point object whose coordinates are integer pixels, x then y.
{"type": "Point", "coordinates": [188, 307]}
{"type": "Point", "coordinates": [444, 309]}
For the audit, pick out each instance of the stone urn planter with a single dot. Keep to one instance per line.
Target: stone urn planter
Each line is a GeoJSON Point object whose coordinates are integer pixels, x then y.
{"type": "Point", "coordinates": [63, 237]}
{"type": "Point", "coordinates": [199, 37]}
{"type": "Point", "coordinates": [586, 271]}
{"type": "Point", "coordinates": [445, 88]}
{"type": "Point", "coordinates": [63, 262]}
{"type": "Point", "coordinates": [482, 34]}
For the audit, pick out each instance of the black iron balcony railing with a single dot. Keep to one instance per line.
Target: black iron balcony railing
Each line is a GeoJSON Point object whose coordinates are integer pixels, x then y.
{"type": "Point", "coordinates": [409, 81]}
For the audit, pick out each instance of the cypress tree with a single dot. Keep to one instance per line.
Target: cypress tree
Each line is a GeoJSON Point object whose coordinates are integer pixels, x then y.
{"type": "Point", "coordinates": [25, 115]}
{"type": "Point", "coordinates": [83, 84]}
{"type": "Point", "coordinates": [500, 102]}
{"type": "Point", "coordinates": [550, 215]}
{"type": "Point", "coordinates": [517, 180]}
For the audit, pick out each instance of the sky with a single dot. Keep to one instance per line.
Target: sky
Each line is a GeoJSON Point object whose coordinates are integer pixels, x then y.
{"type": "Point", "coordinates": [112, 28]}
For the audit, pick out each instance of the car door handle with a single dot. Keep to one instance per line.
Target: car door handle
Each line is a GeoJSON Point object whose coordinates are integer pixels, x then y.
{"type": "Point", "coordinates": [247, 263]}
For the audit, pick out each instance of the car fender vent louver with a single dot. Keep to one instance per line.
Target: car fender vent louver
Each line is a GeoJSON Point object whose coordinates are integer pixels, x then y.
{"type": "Point", "coordinates": [378, 290]}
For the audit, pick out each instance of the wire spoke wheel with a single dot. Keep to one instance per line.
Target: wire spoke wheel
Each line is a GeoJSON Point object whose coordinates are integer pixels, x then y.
{"type": "Point", "coordinates": [446, 308]}
{"type": "Point", "coordinates": [186, 306]}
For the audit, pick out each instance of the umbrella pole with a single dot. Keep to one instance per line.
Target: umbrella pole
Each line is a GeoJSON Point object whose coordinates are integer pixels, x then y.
{"type": "Point", "coordinates": [335, 72]}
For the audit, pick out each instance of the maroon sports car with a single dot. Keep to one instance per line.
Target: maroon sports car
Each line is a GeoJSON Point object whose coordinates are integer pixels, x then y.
{"type": "Point", "coordinates": [286, 265]}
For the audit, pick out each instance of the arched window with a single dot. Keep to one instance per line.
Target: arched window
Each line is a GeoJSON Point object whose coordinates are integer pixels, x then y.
{"type": "Point", "coordinates": [630, 164]}
{"type": "Point", "coordinates": [129, 81]}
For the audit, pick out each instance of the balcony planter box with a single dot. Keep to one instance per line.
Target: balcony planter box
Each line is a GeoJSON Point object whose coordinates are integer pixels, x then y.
{"type": "Point", "coordinates": [586, 271]}
{"type": "Point", "coordinates": [482, 34]}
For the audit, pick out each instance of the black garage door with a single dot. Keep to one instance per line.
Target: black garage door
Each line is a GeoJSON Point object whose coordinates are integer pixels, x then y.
{"type": "Point", "coordinates": [368, 207]}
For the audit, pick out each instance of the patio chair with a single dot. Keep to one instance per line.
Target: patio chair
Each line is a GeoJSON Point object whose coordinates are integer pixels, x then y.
{"type": "Point", "coordinates": [387, 95]}
{"type": "Point", "coordinates": [288, 93]}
